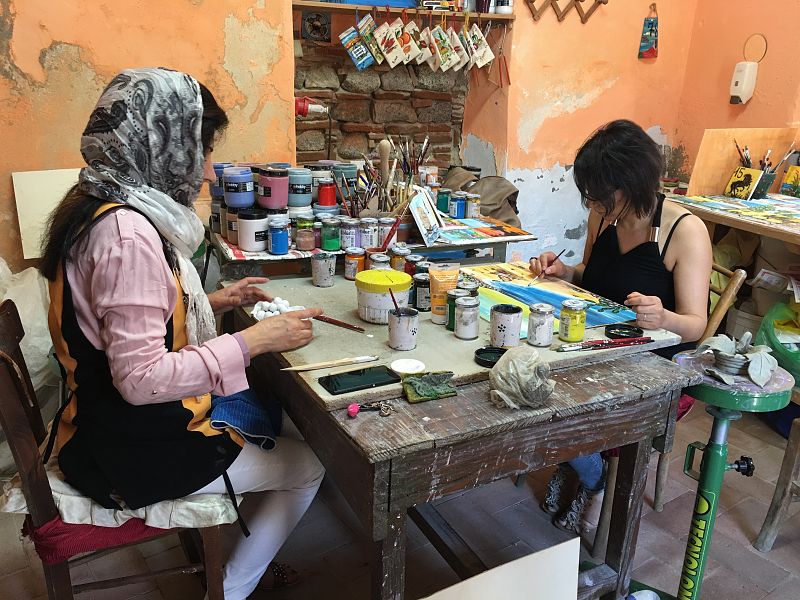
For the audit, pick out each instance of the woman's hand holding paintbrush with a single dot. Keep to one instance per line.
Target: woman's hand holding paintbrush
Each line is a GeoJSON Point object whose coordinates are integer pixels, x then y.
{"type": "Point", "coordinates": [548, 263]}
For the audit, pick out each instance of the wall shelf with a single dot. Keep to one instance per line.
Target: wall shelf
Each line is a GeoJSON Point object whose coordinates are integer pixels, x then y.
{"type": "Point", "coordinates": [414, 12]}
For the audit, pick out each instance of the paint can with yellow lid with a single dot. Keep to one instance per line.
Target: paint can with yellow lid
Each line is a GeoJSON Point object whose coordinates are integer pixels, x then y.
{"type": "Point", "coordinates": [374, 299]}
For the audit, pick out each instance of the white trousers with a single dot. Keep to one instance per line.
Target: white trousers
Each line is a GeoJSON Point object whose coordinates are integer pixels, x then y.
{"type": "Point", "coordinates": [278, 487]}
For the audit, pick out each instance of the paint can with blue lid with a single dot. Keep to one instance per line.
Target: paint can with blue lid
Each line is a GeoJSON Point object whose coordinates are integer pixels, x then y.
{"type": "Point", "coordinates": [300, 181]}
{"type": "Point", "coordinates": [458, 205]}
{"type": "Point", "coordinates": [279, 235]}
{"type": "Point", "coordinates": [218, 187]}
{"type": "Point", "coordinates": [239, 188]}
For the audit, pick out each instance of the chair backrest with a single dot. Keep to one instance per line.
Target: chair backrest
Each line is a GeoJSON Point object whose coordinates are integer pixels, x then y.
{"type": "Point", "coordinates": [21, 419]}
{"type": "Point", "coordinates": [727, 296]}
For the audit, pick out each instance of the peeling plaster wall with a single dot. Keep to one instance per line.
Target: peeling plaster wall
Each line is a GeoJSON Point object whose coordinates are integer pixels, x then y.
{"type": "Point", "coordinates": [56, 57]}
{"type": "Point", "coordinates": [566, 80]}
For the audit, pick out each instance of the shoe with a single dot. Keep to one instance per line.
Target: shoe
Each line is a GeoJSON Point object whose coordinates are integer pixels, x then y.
{"type": "Point", "coordinates": [278, 576]}
{"type": "Point", "coordinates": [552, 498]}
{"type": "Point", "coordinates": [583, 512]}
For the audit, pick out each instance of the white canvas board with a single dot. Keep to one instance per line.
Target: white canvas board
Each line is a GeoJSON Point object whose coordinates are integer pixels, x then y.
{"type": "Point", "coordinates": [37, 193]}
{"type": "Point", "coordinates": [550, 574]}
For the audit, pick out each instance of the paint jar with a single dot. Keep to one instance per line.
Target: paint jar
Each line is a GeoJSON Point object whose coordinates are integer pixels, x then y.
{"type": "Point", "coordinates": [298, 212]}
{"type": "Point", "coordinates": [273, 188]}
{"type": "Point", "coordinates": [423, 266]}
{"type": "Point", "coordinates": [326, 192]}
{"type": "Point", "coordinates": [470, 286]}
{"type": "Point", "coordinates": [253, 230]}
{"type": "Point", "coordinates": [434, 187]}
{"type": "Point", "coordinates": [504, 7]}
{"type": "Point", "coordinates": [318, 173]}
{"type": "Point", "coordinates": [385, 225]}
{"type": "Point", "coordinates": [369, 233]}
{"type": "Point", "coordinates": [304, 239]}
{"type": "Point", "coordinates": [239, 188]}
{"type": "Point", "coordinates": [325, 212]}
{"type": "Point", "coordinates": [218, 187]}
{"type": "Point", "coordinates": [572, 326]}
{"type": "Point", "coordinates": [279, 236]}
{"type": "Point", "coordinates": [323, 268]}
{"type": "Point", "coordinates": [467, 319]}
{"type": "Point", "coordinates": [346, 176]}
{"type": "Point", "coordinates": [422, 292]}
{"type": "Point", "coordinates": [458, 205]}
{"type": "Point", "coordinates": [223, 220]}
{"type": "Point", "coordinates": [403, 328]}
{"type": "Point", "coordinates": [351, 235]}
{"type": "Point", "coordinates": [540, 324]}
{"type": "Point", "coordinates": [216, 206]}
{"type": "Point", "coordinates": [279, 165]}
{"type": "Point", "coordinates": [353, 262]}
{"type": "Point", "coordinates": [505, 325]}
{"type": "Point", "coordinates": [450, 308]}
{"type": "Point", "coordinates": [378, 262]}
{"type": "Point", "coordinates": [317, 234]}
{"type": "Point", "coordinates": [330, 235]}
{"type": "Point", "coordinates": [374, 301]}
{"type": "Point", "coordinates": [299, 187]}
{"type": "Point", "coordinates": [411, 263]}
{"type": "Point", "coordinates": [443, 200]}
{"type": "Point", "coordinates": [398, 254]}
{"type": "Point", "coordinates": [233, 225]}
{"type": "Point", "coordinates": [473, 210]}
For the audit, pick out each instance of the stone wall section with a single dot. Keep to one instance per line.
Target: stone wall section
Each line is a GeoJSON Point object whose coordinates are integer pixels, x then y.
{"type": "Point", "coordinates": [409, 100]}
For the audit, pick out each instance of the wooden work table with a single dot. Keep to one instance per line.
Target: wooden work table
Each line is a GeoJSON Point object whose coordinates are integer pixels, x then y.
{"type": "Point", "coordinates": [392, 467]}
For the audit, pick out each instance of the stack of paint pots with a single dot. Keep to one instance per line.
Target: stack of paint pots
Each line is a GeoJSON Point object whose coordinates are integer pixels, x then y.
{"type": "Point", "coordinates": [218, 199]}
{"type": "Point", "coordinates": [239, 194]}
{"type": "Point", "coordinates": [346, 175]}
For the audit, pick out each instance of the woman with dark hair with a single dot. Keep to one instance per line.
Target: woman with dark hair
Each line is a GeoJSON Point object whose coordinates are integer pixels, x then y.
{"type": "Point", "coordinates": [135, 334]}
{"type": "Point", "coordinates": [642, 251]}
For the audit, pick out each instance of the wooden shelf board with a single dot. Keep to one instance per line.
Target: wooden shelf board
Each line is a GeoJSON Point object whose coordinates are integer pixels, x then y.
{"type": "Point", "coordinates": [346, 8]}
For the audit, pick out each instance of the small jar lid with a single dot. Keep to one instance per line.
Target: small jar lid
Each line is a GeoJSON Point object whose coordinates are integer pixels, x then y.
{"type": "Point", "coordinates": [278, 223]}
{"type": "Point", "coordinates": [331, 222]}
{"type": "Point", "coordinates": [506, 309]}
{"type": "Point", "coordinates": [468, 301]}
{"type": "Point", "coordinates": [316, 167]}
{"type": "Point", "coordinates": [445, 190]}
{"type": "Point", "coordinates": [422, 278]}
{"type": "Point", "coordinates": [236, 172]}
{"type": "Point", "coordinates": [457, 293]}
{"type": "Point", "coordinates": [574, 304]}
{"type": "Point", "coordinates": [325, 181]}
{"type": "Point", "coordinates": [434, 184]}
{"type": "Point", "coordinates": [542, 308]}
{"type": "Point", "coordinates": [400, 250]}
{"type": "Point", "coordinates": [424, 264]}
{"type": "Point", "coordinates": [299, 172]}
{"type": "Point", "coordinates": [317, 224]}
{"type": "Point", "coordinates": [381, 281]}
{"type": "Point", "coordinates": [354, 250]}
{"type": "Point", "coordinates": [386, 220]}
{"type": "Point", "coordinates": [369, 221]}
{"type": "Point", "coordinates": [459, 195]}
{"type": "Point", "coordinates": [415, 258]}
{"type": "Point", "coordinates": [279, 165]}
{"type": "Point", "coordinates": [469, 286]}
{"type": "Point", "coordinates": [379, 258]}
{"type": "Point", "coordinates": [350, 222]}
{"type": "Point", "coordinates": [252, 214]}
{"type": "Point", "coordinates": [276, 172]}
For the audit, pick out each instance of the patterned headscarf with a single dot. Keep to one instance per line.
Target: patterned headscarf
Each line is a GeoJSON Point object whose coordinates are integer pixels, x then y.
{"type": "Point", "coordinates": [143, 148]}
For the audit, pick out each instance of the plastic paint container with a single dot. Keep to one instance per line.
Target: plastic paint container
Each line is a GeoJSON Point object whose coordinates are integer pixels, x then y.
{"type": "Point", "coordinates": [319, 174]}
{"type": "Point", "coordinates": [385, 225]}
{"type": "Point", "coordinates": [345, 172]}
{"type": "Point", "coordinates": [239, 188]}
{"type": "Point", "coordinates": [457, 208]}
{"type": "Point", "coordinates": [218, 187]}
{"type": "Point", "coordinates": [326, 191]}
{"type": "Point", "coordinates": [450, 309]}
{"type": "Point", "coordinates": [214, 221]}
{"type": "Point", "coordinates": [253, 230]}
{"type": "Point", "coordinates": [374, 301]}
{"type": "Point", "coordinates": [403, 328]}
{"type": "Point", "coordinates": [443, 200]}
{"type": "Point", "coordinates": [273, 188]}
{"type": "Point", "coordinates": [279, 236]}
{"type": "Point", "coordinates": [299, 187]}
{"type": "Point", "coordinates": [467, 318]}
{"type": "Point", "coordinates": [323, 268]}
{"type": "Point", "coordinates": [540, 325]}
{"type": "Point", "coordinates": [233, 225]}
{"type": "Point", "coordinates": [370, 233]}
{"type": "Point", "coordinates": [353, 262]}
{"type": "Point", "coordinates": [505, 325]}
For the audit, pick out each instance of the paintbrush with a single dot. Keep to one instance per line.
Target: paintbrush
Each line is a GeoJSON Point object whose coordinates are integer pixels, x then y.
{"type": "Point", "coordinates": [338, 323]}
{"type": "Point", "coordinates": [535, 279]}
{"type": "Point", "coordinates": [787, 155]}
{"type": "Point", "coordinates": [604, 344]}
{"type": "Point", "coordinates": [332, 363]}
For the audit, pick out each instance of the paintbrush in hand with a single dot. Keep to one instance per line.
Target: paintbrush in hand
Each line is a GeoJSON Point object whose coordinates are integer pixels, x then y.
{"type": "Point", "coordinates": [535, 279]}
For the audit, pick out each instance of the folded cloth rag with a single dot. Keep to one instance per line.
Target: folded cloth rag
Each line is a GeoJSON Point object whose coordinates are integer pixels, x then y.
{"type": "Point", "coordinates": [258, 422]}
{"type": "Point", "coordinates": [428, 386]}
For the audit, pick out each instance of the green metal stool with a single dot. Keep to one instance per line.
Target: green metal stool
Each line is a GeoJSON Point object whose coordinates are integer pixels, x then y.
{"type": "Point", "coordinates": [725, 403]}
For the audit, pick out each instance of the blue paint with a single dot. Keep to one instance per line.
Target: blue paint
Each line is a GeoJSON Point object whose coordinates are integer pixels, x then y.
{"type": "Point", "coordinates": [279, 236]}
{"type": "Point", "coordinates": [239, 187]}
{"type": "Point", "coordinates": [217, 188]}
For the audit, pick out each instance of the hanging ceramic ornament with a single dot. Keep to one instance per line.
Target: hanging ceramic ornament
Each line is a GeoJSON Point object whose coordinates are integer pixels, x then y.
{"type": "Point", "coordinates": [356, 48]}
{"type": "Point", "coordinates": [421, 41]}
{"type": "Point", "coordinates": [648, 45]}
{"type": "Point", "coordinates": [366, 27]}
{"type": "Point", "coordinates": [458, 48]}
{"type": "Point", "coordinates": [482, 52]}
{"type": "Point", "coordinates": [407, 44]}
{"type": "Point", "coordinates": [444, 48]}
{"type": "Point", "coordinates": [389, 45]}
{"type": "Point", "coordinates": [463, 37]}
{"type": "Point", "coordinates": [434, 62]}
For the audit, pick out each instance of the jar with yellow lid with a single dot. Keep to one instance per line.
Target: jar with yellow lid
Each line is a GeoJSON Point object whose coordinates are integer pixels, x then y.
{"type": "Point", "coordinates": [572, 322]}
{"type": "Point", "coordinates": [374, 299]}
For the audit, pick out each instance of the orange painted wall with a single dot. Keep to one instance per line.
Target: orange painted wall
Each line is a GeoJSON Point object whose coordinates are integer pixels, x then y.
{"type": "Point", "coordinates": [56, 57]}
{"type": "Point", "coordinates": [568, 78]}
{"type": "Point", "coordinates": [717, 45]}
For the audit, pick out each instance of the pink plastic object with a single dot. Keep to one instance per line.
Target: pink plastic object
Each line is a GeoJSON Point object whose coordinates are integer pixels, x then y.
{"type": "Point", "coordinates": [352, 410]}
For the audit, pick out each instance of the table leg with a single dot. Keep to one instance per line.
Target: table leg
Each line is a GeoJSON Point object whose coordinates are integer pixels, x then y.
{"type": "Point", "coordinates": [628, 497]}
{"type": "Point", "coordinates": [389, 566]}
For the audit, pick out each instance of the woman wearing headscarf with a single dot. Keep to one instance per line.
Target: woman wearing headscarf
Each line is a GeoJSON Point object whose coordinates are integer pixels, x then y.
{"type": "Point", "coordinates": [134, 331]}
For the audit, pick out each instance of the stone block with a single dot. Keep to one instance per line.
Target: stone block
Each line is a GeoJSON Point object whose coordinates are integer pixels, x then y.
{"type": "Point", "coordinates": [437, 82]}
{"type": "Point", "coordinates": [421, 103]}
{"type": "Point", "coordinates": [309, 141]}
{"type": "Point", "coordinates": [299, 77]}
{"type": "Point", "coordinates": [322, 77]}
{"type": "Point", "coordinates": [307, 157]}
{"type": "Point", "coordinates": [440, 112]}
{"type": "Point", "coordinates": [340, 95]}
{"type": "Point", "coordinates": [353, 111]}
{"type": "Point", "coordinates": [311, 125]}
{"type": "Point", "coordinates": [439, 127]}
{"type": "Point", "coordinates": [438, 137]}
{"type": "Point", "coordinates": [426, 94]}
{"type": "Point", "coordinates": [316, 94]}
{"type": "Point", "coordinates": [376, 136]}
{"type": "Point", "coordinates": [384, 95]}
{"type": "Point", "coordinates": [352, 146]}
{"type": "Point", "coordinates": [404, 128]}
{"type": "Point", "coordinates": [397, 79]}
{"type": "Point", "coordinates": [388, 111]}
{"type": "Point", "coordinates": [361, 82]}
{"type": "Point", "coordinates": [361, 128]}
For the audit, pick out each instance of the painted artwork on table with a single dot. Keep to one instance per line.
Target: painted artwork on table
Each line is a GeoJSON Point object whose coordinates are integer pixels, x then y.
{"type": "Point", "coordinates": [775, 209]}
{"type": "Point", "coordinates": [423, 211]}
{"type": "Point", "coordinates": [791, 182]}
{"type": "Point", "coordinates": [743, 183]}
{"type": "Point", "coordinates": [516, 281]}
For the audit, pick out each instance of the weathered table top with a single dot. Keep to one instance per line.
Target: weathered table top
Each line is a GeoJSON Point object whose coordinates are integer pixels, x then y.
{"type": "Point", "coordinates": [437, 347]}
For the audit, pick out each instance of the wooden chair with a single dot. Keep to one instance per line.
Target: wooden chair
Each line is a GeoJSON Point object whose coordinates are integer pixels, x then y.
{"type": "Point", "coordinates": [22, 423]}
{"type": "Point", "coordinates": [727, 297]}
{"type": "Point", "coordinates": [787, 488]}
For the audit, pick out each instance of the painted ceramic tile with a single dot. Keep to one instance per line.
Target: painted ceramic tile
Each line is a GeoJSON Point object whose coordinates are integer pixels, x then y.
{"type": "Point", "coordinates": [421, 41]}
{"type": "Point", "coordinates": [366, 27]}
{"type": "Point", "coordinates": [743, 183]}
{"type": "Point", "coordinates": [405, 40]}
{"type": "Point", "coordinates": [791, 182]}
{"type": "Point", "coordinates": [389, 45]}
